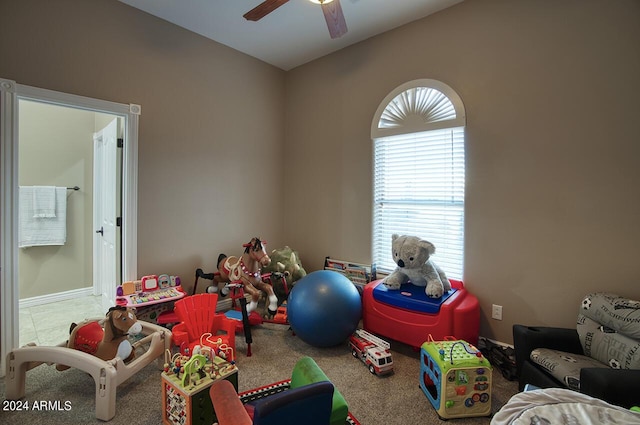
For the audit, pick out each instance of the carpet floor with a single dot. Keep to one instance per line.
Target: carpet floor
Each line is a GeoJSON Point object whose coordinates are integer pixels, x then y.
{"type": "Point", "coordinates": [374, 400]}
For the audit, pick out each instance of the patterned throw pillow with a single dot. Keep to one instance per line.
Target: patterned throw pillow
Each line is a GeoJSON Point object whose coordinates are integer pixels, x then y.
{"type": "Point", "coordinates": [609, 330]}
{"type": "Point", "coordinates": [565, 367]}
{"type": "Point", "coordinates": [615, 312]}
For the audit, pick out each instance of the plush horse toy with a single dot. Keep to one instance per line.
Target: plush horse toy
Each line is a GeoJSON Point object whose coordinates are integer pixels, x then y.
{"type": "Point", "coordinates": [109, 341]}
{"type": "Point", "coordinates": [246, 270]}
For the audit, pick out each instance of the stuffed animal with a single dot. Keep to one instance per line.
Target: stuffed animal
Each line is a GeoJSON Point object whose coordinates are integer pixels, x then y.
{"type": "Point", "coordinates": [105, 340]}
{"type": "Point", "coordinates": [285, 260]}
{"type": "Point", "coordinates": [411, 254]}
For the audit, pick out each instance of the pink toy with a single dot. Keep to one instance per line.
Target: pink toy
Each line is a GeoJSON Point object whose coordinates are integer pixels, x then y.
{"type": "Point", "coordinates": [408, 316]}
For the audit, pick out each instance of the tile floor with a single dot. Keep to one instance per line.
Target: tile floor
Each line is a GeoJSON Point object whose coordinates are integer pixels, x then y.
{"type": "Point", "coordinates": [48, 324]}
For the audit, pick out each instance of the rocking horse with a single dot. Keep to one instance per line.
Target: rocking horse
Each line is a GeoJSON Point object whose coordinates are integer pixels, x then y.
{"type": "Point", "coordinates": [108, 342]}
{"type": "Point", "coordinates": [246, 270]}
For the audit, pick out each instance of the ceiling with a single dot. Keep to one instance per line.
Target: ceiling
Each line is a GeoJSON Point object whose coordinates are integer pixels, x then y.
{"type": "Point", "coordinates": [293, 34]}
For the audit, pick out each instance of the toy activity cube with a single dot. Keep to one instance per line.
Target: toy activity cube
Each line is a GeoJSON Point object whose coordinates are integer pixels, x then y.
{"type": "Point", "coordinates": [456, 378]}
{"type": "Point", "coordinates": [191, 404]}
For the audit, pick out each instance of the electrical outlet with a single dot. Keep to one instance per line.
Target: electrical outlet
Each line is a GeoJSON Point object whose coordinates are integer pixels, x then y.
{"type": "Point", "coordinates": [496, 312]}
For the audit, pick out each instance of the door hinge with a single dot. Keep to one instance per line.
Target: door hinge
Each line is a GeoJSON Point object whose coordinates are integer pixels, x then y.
{"type": "Point", "coordinates": [119, 221]}
{"type": "Point", "coordinates": [120, 143]}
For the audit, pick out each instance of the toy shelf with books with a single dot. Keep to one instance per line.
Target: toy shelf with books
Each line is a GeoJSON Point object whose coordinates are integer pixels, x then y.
{"type": "Point", "coordinates": [358, 273]}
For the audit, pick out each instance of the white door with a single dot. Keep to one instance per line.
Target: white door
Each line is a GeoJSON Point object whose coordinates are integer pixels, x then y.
{"type": "Point", "coordinates": [105, 147]}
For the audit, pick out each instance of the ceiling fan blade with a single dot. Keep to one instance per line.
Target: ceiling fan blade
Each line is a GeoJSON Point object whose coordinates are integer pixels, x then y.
{"type": "Point", "coordinates": [263, 9]}
{"type": "Point", "coordinates": [335, 19]}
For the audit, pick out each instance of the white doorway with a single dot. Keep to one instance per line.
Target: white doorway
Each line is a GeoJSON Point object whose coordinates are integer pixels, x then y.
{"type": "Point", "coordinates": [57, 147]}
{"type": "Point", "coordinates": [105, 212]}
{"type": "Point", "coordinates": [10, 95]}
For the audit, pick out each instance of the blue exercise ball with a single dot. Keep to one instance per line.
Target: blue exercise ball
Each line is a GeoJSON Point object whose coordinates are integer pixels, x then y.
{"type": "Point", "coordinates": [324, 308]}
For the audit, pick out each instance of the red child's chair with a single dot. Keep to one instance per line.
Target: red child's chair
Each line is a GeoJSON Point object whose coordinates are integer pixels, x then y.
{"type": "Point", "coordinates": [201, 325]}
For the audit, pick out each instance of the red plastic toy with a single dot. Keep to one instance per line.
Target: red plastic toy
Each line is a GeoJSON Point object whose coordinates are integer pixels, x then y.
{"type": "Point", "coordinates": [372, 351]}
{"type": "Point", "coordinates": [410, 317]}
{"type": "Point", "coordinates": [201, 325]}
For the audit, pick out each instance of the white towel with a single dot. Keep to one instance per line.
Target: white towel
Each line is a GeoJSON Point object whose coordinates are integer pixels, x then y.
{"type": "Point", "coordinates": [44, 201]}
{"type": "Point", "coordinates": [39, 231]}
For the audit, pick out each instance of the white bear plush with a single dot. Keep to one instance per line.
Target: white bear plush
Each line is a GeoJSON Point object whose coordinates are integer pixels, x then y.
{"type": "Point", "coordinates": [411, 254]}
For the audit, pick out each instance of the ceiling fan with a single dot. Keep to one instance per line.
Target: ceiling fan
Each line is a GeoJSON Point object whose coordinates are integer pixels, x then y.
{"type": "Point", "coordinates": [331, 8]}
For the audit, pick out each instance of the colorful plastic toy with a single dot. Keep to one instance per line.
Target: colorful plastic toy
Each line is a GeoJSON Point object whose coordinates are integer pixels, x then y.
{"type": "Point", "coordinates": [372, 351]}
{"type": "Point", "coordinates": [201, 325]}
{"type": "Point", "coordinates": [409, 316]}
{"type": "Point", "coordinates": [152, 296]}
{"type": "Point", "coordinates": [105, 340]}
{"type": "Point", "coordinates": [309, 405]}
{"type": "Point", "coordinates": [246, 270]}
{"type": "Point", "coordinates": [456, 378]}
{"type": "Point", "coordinates": [185, 386]}
{"type": "Point", "coordinates": [310, 398]}
{"type": "Point", "coordinates": [107, 374]}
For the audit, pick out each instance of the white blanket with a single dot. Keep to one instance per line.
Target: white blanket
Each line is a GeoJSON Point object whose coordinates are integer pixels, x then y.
{"type": "Point", "coordinates": [38, 230]}
{"type": "Point", "coordinates": [561, 406]}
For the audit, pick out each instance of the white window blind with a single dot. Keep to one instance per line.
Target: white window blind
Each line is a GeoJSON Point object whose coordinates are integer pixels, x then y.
{"type": "Point", "coordinates": [419, 181]}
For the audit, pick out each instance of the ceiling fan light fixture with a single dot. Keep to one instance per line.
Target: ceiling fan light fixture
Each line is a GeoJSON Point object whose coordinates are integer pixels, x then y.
{"type": "Point", "coordinates": [331, 10]}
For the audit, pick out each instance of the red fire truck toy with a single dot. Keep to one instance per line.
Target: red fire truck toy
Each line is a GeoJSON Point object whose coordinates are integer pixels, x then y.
{"type": "Point", "coordinates": [373, 351]}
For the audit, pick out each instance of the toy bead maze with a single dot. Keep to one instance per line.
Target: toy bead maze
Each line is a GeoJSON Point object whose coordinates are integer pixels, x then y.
{"type": "Point", "coordinates": [409, 316]}
{"type": "Point", "coordinates": [185, 388]}
{"type": "Point", "coordinates": [456, 378]}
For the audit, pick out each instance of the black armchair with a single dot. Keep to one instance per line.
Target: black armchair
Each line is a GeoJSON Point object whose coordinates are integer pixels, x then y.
{"type": "Point", "coordinates": [616, 386]}
{"type": "Point", "coordinates": [528, 338]}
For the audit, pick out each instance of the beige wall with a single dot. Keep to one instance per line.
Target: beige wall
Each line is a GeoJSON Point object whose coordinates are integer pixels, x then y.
{"type": "Point", "coordinates": [56, 149]}
{"type": "Point", "coordinates": [211, 130]}
{"type": "Point", "coordinates": [552, 160]}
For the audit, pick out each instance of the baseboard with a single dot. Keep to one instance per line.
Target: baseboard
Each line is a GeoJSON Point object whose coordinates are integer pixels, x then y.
{"type": "Point", "coordinates": [58, 296]}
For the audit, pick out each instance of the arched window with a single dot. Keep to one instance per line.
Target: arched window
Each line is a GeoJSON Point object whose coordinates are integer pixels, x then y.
{"type": "Point", "coordinates": [419, 172]}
